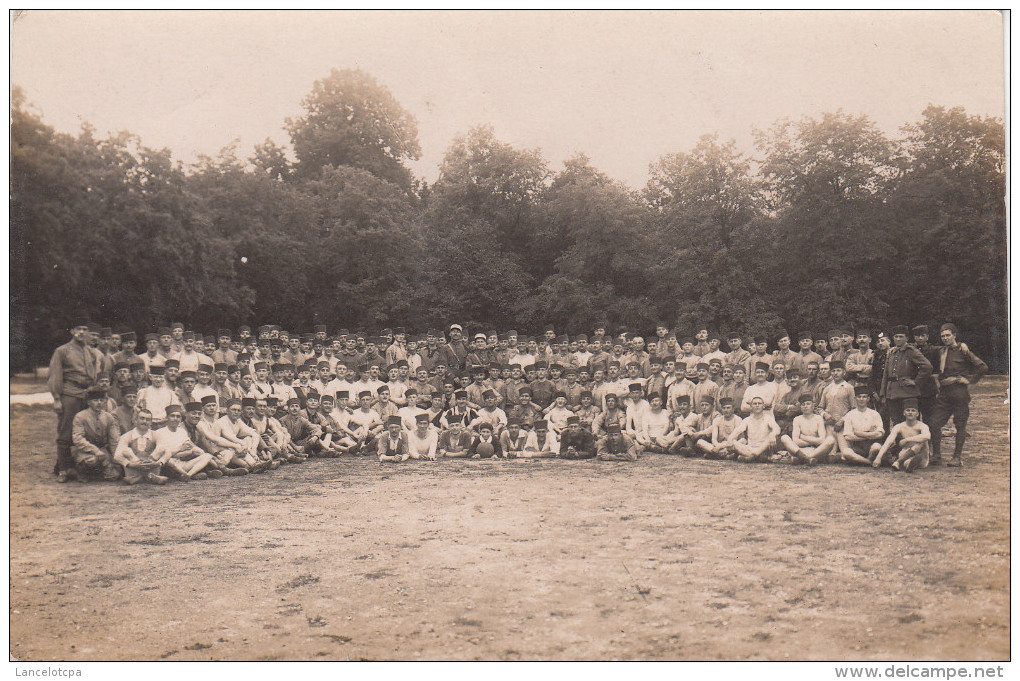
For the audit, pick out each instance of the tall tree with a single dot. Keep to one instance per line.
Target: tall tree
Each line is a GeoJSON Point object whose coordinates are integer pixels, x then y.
{"type": "Point", "coordinates": [352, 120]}
{"type": "Point", "coordinates": [712, 237]}
{"type": "Point", "coordinates": [825, 181]}
{"type": "Point", "coordinates": [493, 182]}
{"type": "Point", "coordinates": [950, 214]}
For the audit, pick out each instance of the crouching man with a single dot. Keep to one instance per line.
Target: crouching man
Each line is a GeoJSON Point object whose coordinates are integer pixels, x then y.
{"type": "Point", "coordinates": [94, 436]}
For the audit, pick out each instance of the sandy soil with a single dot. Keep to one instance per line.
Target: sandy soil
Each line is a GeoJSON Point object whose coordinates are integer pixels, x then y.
{"type": "Point", "coordinates": [661, 559]}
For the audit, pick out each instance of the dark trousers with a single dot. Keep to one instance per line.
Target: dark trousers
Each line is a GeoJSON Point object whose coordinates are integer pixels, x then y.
{"type": "Point", "coordinates": [953, 401]}
{"type": "Point", "coordinates": [71, 406]}
{"type": "Point", "coordinates": [926, 405]}
{"type": "Point", "coordinates": [894, 407]}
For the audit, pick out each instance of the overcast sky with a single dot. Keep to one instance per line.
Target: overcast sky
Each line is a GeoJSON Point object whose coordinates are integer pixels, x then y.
{"type": "Point", "coordinates": [624, 88]}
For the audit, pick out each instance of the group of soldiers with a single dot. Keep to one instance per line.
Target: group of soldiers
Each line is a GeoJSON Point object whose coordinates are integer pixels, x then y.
{"type": "Point", "coordinates": [186, 406]}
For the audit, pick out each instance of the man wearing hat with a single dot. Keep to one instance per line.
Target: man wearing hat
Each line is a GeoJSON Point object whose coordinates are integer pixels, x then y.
{"type": "Point", "coordinates": [134, 452]}
{"type": "Point", "coordinates": [224, 354]}
{"type": "Point", "coordinates": [929, 386]}
{"type": "Point", "coordinates": [125, 412]}
{"type": "Point", "coordinates": [806, 354]}
{"type": "Point", "coordinates": [737, 354]}
{"type": "Point", "coordinates": [392, 443]}
{"type": "Point", "coordinates": [73, 370]}
{"type": "Point", "coordinates": [423, 439]}
{"type": "Point", "coordinates": [94, 437]}
{"type": "Point", "coordinates": [174, 449]}
{"type": "Point", "coordinates": [784, 354]}
{"type": "Point", "coordinates": [576, 442]}
{"type": "Point", "coordinates": [904, 367]}
{"type": "Point", "coordinates": [615, 445]}
{"type": "Point", "coordinates": [153, 355]}
{"type": "Point", "coordinates": [304, 434]}
{"type": "Point", "coordinates": [157, 397]}
{"type": "Point", "coordinates": [859, 361]}
{"type": "Point", "coordinates": [862, 432]}
{"type": "Point", "coordinates": [365, 423]}
{"type": "Point", "coordinates": [455, 350]}
{"type": "Point", "coordinates": [881, 354]}
{"type": "Point", "coordinates": [911, 435]}
{"type": "Point", "coordinates": [128, 343]}
{"type": "Point", "coordinates": [958, 368]}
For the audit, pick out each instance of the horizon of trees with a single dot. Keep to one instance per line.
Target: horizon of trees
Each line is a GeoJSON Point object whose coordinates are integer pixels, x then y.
{"type": "Point", "coordinates": [833, 223]}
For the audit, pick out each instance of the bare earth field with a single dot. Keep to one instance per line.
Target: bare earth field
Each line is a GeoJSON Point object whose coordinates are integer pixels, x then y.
{"type": "Point", "coordinates": [461, 560]}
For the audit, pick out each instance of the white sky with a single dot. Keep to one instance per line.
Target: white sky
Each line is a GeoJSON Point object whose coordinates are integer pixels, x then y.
{"type": "Point", "coordinates": [623, 88]}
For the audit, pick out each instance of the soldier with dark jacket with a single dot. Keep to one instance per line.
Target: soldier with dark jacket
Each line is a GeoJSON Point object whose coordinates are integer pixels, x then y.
{"type": "Point", "coordinates": [905, 369]}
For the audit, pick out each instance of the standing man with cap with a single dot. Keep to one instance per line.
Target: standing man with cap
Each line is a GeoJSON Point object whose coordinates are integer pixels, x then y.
{"type": "Point", "coordinates": [958, 367]}
{"type": "Point", "coordinates": [905, 366]}
{"type": "Point", "coordinates": [455, 350]}
{"type": "Point", "coordinates": [73, 370]}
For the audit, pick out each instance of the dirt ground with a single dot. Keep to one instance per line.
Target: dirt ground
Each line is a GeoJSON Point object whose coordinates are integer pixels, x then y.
{"type": "Point", "coordinates": [521, 560]}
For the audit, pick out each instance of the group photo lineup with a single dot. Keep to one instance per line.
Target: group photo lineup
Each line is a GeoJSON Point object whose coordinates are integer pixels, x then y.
{"type": "Point", "coordinates": [547, 336]}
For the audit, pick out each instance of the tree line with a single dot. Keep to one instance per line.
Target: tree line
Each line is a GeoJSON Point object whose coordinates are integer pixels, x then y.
{"type": "Point", "coordinates": [830, 222]}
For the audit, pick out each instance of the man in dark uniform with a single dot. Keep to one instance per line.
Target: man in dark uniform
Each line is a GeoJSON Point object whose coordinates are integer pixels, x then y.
{"type": "Point", "coordinates": [905, 368]}
{"type": "Point", "coordinates": [957, 367]}
{"type": "Point", "coordinates": [576, 442]}
{"type": "Point", "coordinates": [73, 370]}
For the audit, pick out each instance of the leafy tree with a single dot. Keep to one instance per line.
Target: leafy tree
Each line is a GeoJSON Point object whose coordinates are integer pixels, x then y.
{"type": "Point", "coordinates": [711, 235]}
{"type": "Point", "coordinates": [825, 181]}
{"type": "Point", "coordinates": [352, 120]}
{"type": "Point", "coordinates": [495, 183]}
{"type": "Point", "coordinates": [950, 213]}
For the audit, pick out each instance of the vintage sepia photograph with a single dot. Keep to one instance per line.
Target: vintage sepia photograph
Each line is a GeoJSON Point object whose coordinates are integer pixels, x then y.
{"type": "Point", "coordinates": [445, 336]}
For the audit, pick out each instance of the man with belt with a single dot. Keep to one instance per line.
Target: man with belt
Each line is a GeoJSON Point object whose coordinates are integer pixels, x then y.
{"type": "Point", "coordinates": [73, 370]}
{"type": "Point", "coordinates": [905, 368]}
{"type": "Point", "coordinates": [958, 367]}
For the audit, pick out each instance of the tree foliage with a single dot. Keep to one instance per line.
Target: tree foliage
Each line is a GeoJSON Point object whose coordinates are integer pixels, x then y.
{"type": "Point", "coordinates": [831, 223]}
{"type": "Point", "coordinates": [352, 120]}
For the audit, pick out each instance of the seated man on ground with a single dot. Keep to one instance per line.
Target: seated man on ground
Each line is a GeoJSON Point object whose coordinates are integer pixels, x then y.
{"type": "Point", "coordinates": [485, 445]}
{"type": "Point", "coordinates": [617, 446]}
{"type": "Point", "coordinates": [134, 452]}
{"type": "Point", "coordinates": [513, 438]}
{"type": "Point", "coordinates": [174, 449]}
{"type": "Point", "coordinates": [577, 442]}
{"type": "Point", "coordinates": [862, 430]}
{"type": "Point", "coordinates": [423, 441]}
{"type": "Point", "coordinates": [911, 436]}
{"type": "Point", "coordinates": [810, 440]}
{"type": "Point", "coordinates": [456, 441]}
{"type": "Point", "coordinates": [755, 438]}
{"type": "Point", "coordinates": [392, 443]}
{"type": "Point", "coordinates": [716, 446]}
{"type": "Point", "coordinates": [542, 443]}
